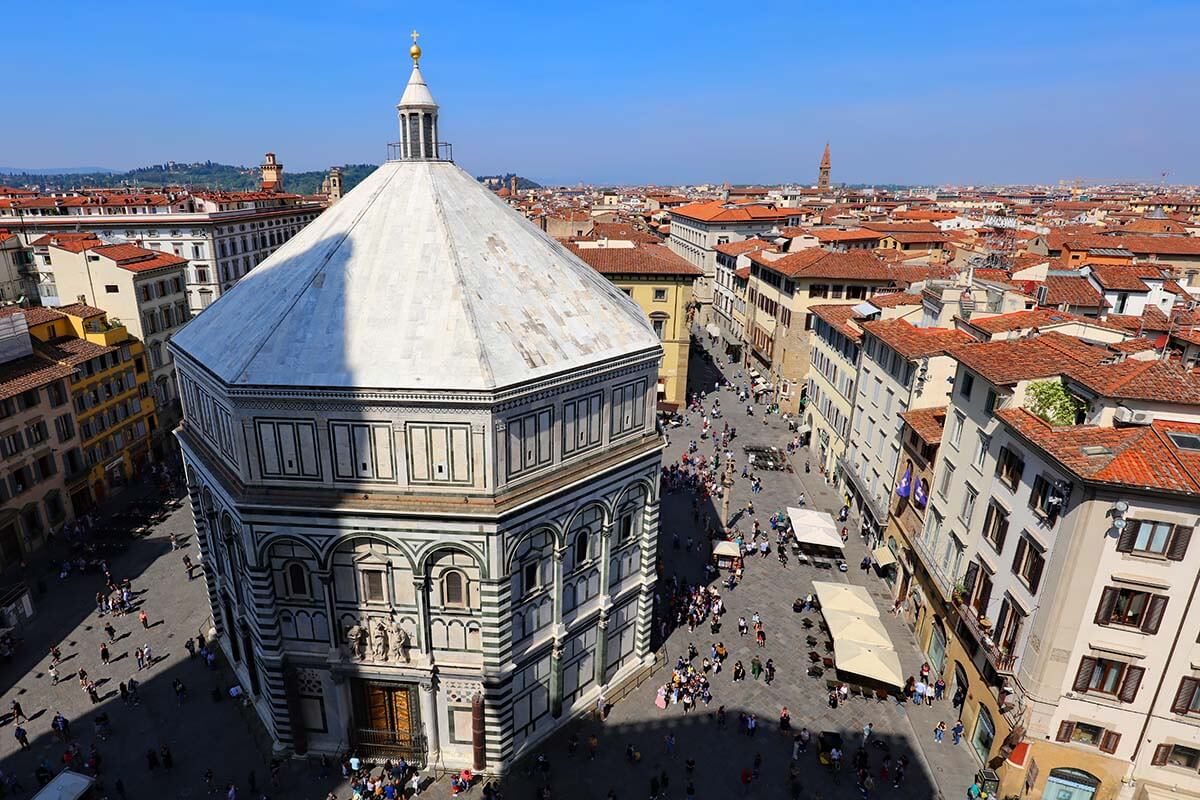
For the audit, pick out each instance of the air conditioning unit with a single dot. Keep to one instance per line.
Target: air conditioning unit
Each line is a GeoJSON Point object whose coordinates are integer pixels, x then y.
{"type": "Point", "coordinates": [1130, 417]}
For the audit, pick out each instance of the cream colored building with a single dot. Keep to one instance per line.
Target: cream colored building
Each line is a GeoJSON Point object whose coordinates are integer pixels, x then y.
{"type": "Point", "coordinates": [661, 283]}
{"type": "Point", "coordinates": [144, 289]}
{"type": "Point", "coordinates": [781, 290]}
{"type": "Point", "coordinates": [1060, 576]}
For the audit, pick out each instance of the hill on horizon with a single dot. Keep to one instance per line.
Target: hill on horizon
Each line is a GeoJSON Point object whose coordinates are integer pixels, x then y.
{"type": "Point", "coordinates": [197, 175]}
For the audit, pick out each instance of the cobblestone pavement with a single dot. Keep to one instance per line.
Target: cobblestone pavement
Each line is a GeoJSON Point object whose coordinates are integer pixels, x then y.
{"type": "Point", "coordinates": [720, 755]}
{"type": "Point", "coordinates": [200, 733]}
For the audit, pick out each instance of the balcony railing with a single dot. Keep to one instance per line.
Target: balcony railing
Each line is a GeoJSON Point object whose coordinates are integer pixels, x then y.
{"type": "Point", "coordinates": [944, 581]}
{"type": "Point", "coordinates": [1003, 662]}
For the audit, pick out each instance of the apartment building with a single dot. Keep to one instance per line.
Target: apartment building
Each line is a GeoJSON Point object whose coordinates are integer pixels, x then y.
{"type": "Point", "coordinates": [782, 289]}
{"type": "Point", "coordinates": [223, 235]}
{"type": "Point", "coordinates": [1061, 502]}
{"type": "Point", "coordinates": [834, 357]}
{"type": "Point", "coordinates": [110, 392]}
{"type": "Point", "coordinates": [39, 443]}
{"type": "Point", "coordinates": [902, 368]}
{"type": "Point", "coordinates": [145, 290]}
{"type": "Point", "coordinates": [16, 278]}
{"type": "Point", "coordinates": [698, 228]}
{"type": "Point", "coordinates": [729, 291]}
{"type": "Point", "coordinates": [661, 283]}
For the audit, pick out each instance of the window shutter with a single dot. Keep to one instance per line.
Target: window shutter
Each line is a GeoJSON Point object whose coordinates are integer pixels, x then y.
{"type": "Point", "coordinates": [1160, 755]}
{"type": "Point", "coordinates": [1084, 676]}
{"type": "Point", "coordinates": [1109, 742]}
{"type": "Point", "coordinates": [1020, 556]}
{"type": "Point", "coordinates": [1035, 575]}
{"type": "Point", "coordinates": [1183, 698]}
{"type": "Point", "coordinates": [1129, 686]}
{"type": "Point", "coordinates": [1128, 536]}
{"type": "Point", "coordinates": [1154, 613]}
{"type": "Point", "coordinates": [1001, 533]}
{"type": "Point", "coordinates": [1108, 600]}
{"type": "Point", "coordinates": [1179, 542]}
{"type": "Point", "coordinates": [1065, 729]}
{"type": "Point", "coordinates": [969, 578]}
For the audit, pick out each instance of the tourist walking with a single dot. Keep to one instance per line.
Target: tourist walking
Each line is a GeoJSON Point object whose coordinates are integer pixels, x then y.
{"type": "Point", "coordinates": [957, 731]}
{"type": "Point", "coordinates": [939, 732]}
{"type": "Point", "coordinates": [104, 657]}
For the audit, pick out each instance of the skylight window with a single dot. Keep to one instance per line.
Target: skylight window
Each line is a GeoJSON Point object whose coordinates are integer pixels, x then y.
{"type": "Point", "coordinates": [1185, 441]}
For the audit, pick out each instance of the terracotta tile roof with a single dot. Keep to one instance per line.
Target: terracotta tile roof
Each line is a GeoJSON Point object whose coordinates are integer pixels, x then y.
{"type": "Point", "coordinates": [817, 263]}
{"type": "Point", "coordinates": [913, 342]}
{"type": "Point", "coordinates": [72, 351]}
{"type": "Point", "coordinates": [81, 310]}
{"type": "Point", "coordinates": [902, 227]}
{"type": "Point", "coordinates": [645, 259]}
{"type": "Point", "coordinates": [743, 247]}
{"type": "Point", "coordinates": [927, 422]}
{"type": "Point", "coordinates": [30, 372]}
{"type": "Point", "coordinates": [1152, 319]}
{"type": "Point", "coordinates": [1137, 345]}
{"type": "Point", "coordinates": [1139, 244]}
{"type": "Point", "coordinates": [1022, 320]}
{"type": "Point", "coordinates": [72, 242]}
{"type": "Point", "coordinates": [1124, 278]}
{"type": "Point", "coordinates": [838, 315]}
{"type": "Point", "coordinates": [1072, 291]}
{"type": "Point", "coordinates": [34, 315]}
{"type": "Point", "coordinates": [1151, 381]}
{"type": "Point", "coordinates": [1137, 456]}
{"type": "Point", "coordinates": [843, 234]}
{"type": "Point", "coordinates": [1152, 226]}
{"type": "Point", "coordinates": [138, 259]}
{"type": "Point", "coordinates": [1009, 361]}
{"type": "Point", "coordinates": [621, 231]}
{"type": "Point", "coordinates": [908, 274]}
{"type": "Point", "coordinates": [742, 272]}
{"type": "Point", "coordinates": [895, 300]}
{"type": "Point", "coordinates": [993, 274]}
{"type": "Point", "coordinates": [907, 237]}
{"type": "Point", "coordinates": [716, 211]}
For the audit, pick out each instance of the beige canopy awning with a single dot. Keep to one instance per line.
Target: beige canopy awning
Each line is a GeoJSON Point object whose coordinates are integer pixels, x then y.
{"type": "Point", "coordinates": [877, 663]}
{"type": "Point", "coordinates": [814, 527]}
{"type": "Point", "coordinates": [845, 597]}
{"type": "Point", "coordinates": [729, 549]}
{"type": "Point", "coordinates": [883, 556]}
{"type": "Point", "coordinates": [866, 630]}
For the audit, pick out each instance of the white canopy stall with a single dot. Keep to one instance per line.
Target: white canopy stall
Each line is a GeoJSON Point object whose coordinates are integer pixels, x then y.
{"type": "Point", "coordinates": [814, 528]}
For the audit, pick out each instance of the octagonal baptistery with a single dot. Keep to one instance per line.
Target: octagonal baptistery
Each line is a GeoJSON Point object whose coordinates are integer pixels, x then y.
{"type": "Point", "coordinates": [422, 458]}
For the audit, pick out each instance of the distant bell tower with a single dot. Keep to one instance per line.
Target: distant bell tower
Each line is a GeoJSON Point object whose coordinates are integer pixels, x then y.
{"type": "Point", "coordinates": [513, 185]}
{"type": "Point", "coordinates": [335, 184]}
{"type": "Point", "coordinates": [823, 174]}
{"type": "Point", "coordinates": [272, 174]}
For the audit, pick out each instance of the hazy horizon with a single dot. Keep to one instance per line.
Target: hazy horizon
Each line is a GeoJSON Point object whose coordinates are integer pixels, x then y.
{"type": "Point", "coordinates": [626, 94]}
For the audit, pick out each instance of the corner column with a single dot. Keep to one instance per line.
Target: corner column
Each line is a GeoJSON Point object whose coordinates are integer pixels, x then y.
{"type": "Point", "coordinates": [433, 740]}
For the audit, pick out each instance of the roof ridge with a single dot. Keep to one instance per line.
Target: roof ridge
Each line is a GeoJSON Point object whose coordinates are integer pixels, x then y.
{"type": "Point", "coordinates": [460, 276]}
{"type": "Point", "coordinates": [254, 351]}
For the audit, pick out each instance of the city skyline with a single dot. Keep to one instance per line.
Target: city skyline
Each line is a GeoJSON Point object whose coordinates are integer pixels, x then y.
{"type": "Point", "coordinates": [940, 95]}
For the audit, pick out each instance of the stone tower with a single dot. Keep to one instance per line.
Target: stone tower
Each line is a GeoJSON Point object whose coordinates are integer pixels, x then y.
{"type": "Point", "coordinates": [335, 184]}
{"type": "Point", "coordinates": [823, 174]}
{"type": "Point", "coordinates": [272, 174]}
{"type": "Point", "coordinates": [513, 185]}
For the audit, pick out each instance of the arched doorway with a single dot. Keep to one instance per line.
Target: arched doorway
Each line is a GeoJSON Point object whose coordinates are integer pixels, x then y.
{"type": "Point", "coordinates": [1070, 784]}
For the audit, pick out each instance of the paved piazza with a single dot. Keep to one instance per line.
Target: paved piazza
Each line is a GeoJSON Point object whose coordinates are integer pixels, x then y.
{"type": "Point", "coordinates": [204, 734]}
{"type": "Point", "coordinates": [721, 755]}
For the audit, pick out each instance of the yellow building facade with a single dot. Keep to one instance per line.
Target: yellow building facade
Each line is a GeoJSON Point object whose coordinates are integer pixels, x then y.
{"type": "Point", "coordinates": [661, 283]}
{"type": "Point", "coordinates": [110, 392]}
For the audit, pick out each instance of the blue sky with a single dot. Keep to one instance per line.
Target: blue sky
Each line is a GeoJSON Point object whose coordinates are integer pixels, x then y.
{"type": "Point", "coordinates": [619, 92]}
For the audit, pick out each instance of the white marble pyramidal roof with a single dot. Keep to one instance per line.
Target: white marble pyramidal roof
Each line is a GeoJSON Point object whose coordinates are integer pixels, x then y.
{"type": "Point", "coordinates": [422, 279]}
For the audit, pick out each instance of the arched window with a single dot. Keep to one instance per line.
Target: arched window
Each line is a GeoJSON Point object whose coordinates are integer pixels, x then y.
{"type": "Point", "coordinates": [297, 580]}
{"type": "Point", "coordinates": [581, 547]}
{"type": "Point", "coordinates": [454, 589]}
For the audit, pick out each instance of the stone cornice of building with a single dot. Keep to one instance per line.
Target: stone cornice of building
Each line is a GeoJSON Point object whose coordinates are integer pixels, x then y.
{"type": "Point", "coordinates": [185, 218]}
{"type": "Point", "coordinates": [506, 398]}
{"type": "Point", "coordinates": [369, 501]}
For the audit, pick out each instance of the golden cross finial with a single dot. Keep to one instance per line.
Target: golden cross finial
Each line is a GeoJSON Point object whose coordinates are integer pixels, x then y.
{"type": "Point", "coordinates": [415, 50]}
